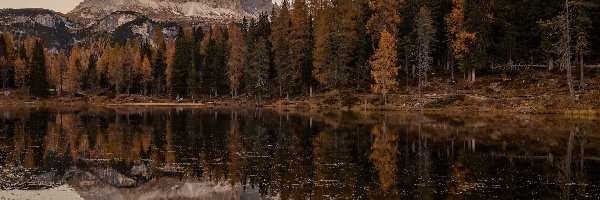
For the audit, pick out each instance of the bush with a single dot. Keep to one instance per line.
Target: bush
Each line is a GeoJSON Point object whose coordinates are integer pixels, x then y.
{"type": "Point", "coordinates": [445, 101]}
{"type": "Point", "coordinates": [107, 94]}
{"type": "Point", "coordinates": [349, 100]}
{"type": "Point", "coordinates": [330, 101]}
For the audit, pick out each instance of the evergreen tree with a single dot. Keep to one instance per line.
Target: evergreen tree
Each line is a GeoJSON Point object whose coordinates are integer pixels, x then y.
{"type": "Point", "coordinates": [256, 74]}
{"type": "Point", "coordinates": [159, 64]}
{"type": "Point", "coordinates": [181, 65]}
{"type": "Point", "coordinates": [335, 43]}
{"type": "Point", "coordinates": [280, 39]}
{"type": "Point", "coordinates": [425, 35]}
{"type": "Point", "coordinates": [300, 43]}
{"type": "Point", "coordinates": [214, 60]}
{"type": "Point", "coordinates": [92, 73]}
{"type": "Point", "coordinates": [38, 81]}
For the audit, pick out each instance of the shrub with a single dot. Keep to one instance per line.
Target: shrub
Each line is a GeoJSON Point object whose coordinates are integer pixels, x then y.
{"type": "Point", "coordinates": [445, 101]}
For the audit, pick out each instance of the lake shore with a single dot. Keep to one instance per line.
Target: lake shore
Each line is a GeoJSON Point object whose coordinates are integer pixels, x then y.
{"type": "Point", "coordinates": [445, 102]}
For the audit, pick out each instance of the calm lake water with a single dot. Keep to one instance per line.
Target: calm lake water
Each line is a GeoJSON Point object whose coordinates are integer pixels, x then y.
{"type": "Point", "coordinates": [131, 153]}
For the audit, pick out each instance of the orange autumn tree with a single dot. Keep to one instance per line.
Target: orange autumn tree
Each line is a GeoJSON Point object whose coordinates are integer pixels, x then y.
{"type": "Point", "coordinates": [384, 68]}
{"type": "Point", "coordinates": [237, 57]}
{"type": "Point", "coordinates": [459, 36]}
{"type": "Point", "coordinates": [147, 77]}
{"type": "Point", "coordinates": [386, 15]}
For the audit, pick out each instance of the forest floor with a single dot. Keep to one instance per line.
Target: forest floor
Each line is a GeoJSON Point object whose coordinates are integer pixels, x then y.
{"type": "Point", "coordinates": [531, 92]}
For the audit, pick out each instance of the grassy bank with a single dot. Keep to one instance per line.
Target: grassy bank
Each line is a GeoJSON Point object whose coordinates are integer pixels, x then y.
{"type": "Point", "coordinates": [538, 92]}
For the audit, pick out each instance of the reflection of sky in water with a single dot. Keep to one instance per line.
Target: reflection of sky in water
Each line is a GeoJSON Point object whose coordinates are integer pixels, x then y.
{"type": "Point", "coordinates": [252, 154]}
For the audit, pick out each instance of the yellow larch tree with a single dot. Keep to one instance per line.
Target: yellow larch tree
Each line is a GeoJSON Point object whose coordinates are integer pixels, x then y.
{"type": "Point", "coordinates": [384, 65]}
{"type": "Point", "coordinates": [237, 57]}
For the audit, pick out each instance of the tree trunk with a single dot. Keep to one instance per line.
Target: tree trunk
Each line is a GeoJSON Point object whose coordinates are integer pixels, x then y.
{"type": "Point", "coordinates": [570, 81]}
{"type": "Point", "coordinates": [384, 99]}
{"type": "Point", "coordinates": [581, 66]}
{"type": "Point", "coordinates": [550, 64]}
{"type": "Point", "coordinates": [472, 75]}
{"type": "Point", "coordinates": [452, 70]}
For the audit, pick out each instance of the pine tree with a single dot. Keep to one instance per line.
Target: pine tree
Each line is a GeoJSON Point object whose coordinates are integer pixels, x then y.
{"type": "Point", "coordinates": [8, 56]}
{"type": "Point", "coordinates": [237, 58]}
{"type": "Point", "coordinates": [280, 33]}
{"type": "Point", "coordinates": [384, 67]}
{"type": "Point", "coordinates": [300, 43]}
{"type": "Point", "coordinates": [180, 69]}
{"type": "Point", "coordinates": [213, 73]}
{"type": "Point", "coordinates": [159, 64]}
{"type": "Point", "coordinates": [425, 35]}
{"type": "Point", "coordinates": [256, 74]}
{"type": "Point", "coordinates": [91, 76]}
{"type": "Point", "coordinates": [335, 43]}
{"type": "Point", "coordinates": [38, 80]}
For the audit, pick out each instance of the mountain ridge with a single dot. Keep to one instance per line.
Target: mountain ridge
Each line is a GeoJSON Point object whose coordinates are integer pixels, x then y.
{"type": "Point", "coordinates": [173, 10]}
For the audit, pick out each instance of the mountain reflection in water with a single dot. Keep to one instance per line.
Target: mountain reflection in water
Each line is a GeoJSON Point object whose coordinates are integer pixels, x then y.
{"type": "Point", "coordinates": [131, 153]}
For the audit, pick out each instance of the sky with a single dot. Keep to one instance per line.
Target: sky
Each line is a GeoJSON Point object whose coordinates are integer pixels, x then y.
{"type": "Point", "coordinates": [62, 6]}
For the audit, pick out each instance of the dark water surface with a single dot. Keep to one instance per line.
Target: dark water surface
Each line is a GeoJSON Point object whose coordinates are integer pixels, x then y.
{"type": "Point", "coordinates": [131, 153]}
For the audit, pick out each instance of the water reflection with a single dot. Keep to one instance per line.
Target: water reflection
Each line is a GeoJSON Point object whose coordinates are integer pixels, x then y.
{"type": "Point", "coordinates": [252, 154]}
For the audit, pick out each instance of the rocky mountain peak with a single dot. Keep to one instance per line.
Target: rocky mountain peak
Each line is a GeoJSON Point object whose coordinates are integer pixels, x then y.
{"type": "Point", "coordinates": [170, 10]}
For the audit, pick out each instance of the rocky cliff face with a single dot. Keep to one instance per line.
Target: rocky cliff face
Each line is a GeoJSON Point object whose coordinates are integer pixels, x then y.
{"type": "Point", "coordinates": [170, 10]}
{"type": "Point", "coordinates": [123, 19]}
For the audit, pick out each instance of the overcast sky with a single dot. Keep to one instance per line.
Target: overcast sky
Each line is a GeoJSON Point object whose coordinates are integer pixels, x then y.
{"type": "Point", "coordinates": [63, 6]}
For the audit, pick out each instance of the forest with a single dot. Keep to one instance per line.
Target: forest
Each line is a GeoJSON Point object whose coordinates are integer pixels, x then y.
{"type": "Point", "coordinates": [356, 46]}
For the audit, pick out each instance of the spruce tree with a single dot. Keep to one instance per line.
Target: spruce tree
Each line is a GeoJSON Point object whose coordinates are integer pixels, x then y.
{"type": "Point", "coordinates": [181, 62]}
{"type": "Point", "coordinates": [159, 63]}
{"type": "Point", "coordinates": [38, 81]}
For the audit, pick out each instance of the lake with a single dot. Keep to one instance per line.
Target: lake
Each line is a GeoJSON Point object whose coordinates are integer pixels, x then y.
{"type": "Point", "coordinates": [211, 153]}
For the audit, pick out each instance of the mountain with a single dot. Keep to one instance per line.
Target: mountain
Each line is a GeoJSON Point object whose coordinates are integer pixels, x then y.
{"type": "Point", "coordinates": [174, 10]}
{"type": "Point", "coordinates": [122, 19]}
{"type": "Point", "coordinates": [59, 30]}
{"type": "Point", "coordinates": [54, 28]}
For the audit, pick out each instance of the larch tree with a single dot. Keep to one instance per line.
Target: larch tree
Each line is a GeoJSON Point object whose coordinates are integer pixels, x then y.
{"type": "Point", "coordinates": [459, 37]}
{"type": "Point", "coordinates": [321, 11]}
{"type": "Point", "coordinates": [386, 15]}
{"type": "Point", "coordinates": [383, 65]}
{"type": "Point", "coordinates": [21, 71]}
{"type": "Point", "coordinates": [116, 68]}
{"type": "Point", "coordinates": [74, 71]}
{"type": "Point", "coordinates": [237, 58]}
{"type": "Point", "coordinates": [425, 32]}
{"type": "Point", "coordinates": [170, 51]}
{"type": "Point", "coordinates": [147, 77]}
{"type": "Point", "coordinates": [61, 70]}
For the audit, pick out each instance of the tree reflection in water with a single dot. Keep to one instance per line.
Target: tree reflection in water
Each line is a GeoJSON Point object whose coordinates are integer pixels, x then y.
{"type": "Point", "coordinates": [249, 154]}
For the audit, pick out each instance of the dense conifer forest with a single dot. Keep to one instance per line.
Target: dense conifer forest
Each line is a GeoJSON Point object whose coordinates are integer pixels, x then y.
{"type": "Point", "coordinates": [356, 46]}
